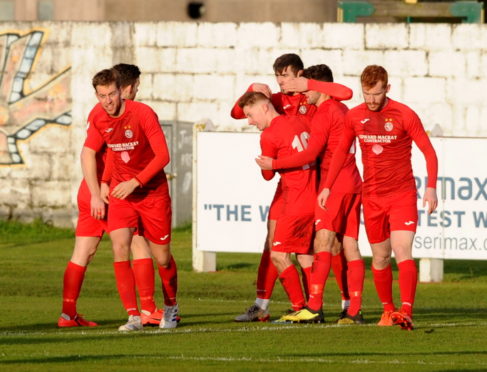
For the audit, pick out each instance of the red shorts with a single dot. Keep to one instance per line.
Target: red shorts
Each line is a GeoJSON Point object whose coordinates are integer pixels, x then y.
{"type": "Point", "coordinates": [151, 214]}
{"type": "Point", "coordinates": [384, 214]}
{"type": "Point", "coordinates": [87, 225]}
{"type": "Point", "coordinates": [275, 210]}
{"type": "Point", "coordinates": [341, 216]}
{"type": "Point", "coordinates": [294, 234]}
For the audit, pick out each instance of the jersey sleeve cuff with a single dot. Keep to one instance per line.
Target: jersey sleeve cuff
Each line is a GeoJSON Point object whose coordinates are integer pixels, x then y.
{"type": "Point", "coordinates": [141, 184]}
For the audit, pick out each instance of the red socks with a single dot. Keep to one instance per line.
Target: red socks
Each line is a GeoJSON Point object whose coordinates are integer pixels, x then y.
{"type": "Point", "coordinates": [355, 276]}
{"type": "Point", "coordinates": [383, 286]}
{"type": "Point", "coordinates": [266, 276]}
{"type": "Point", "coordinates": [169, 279]}
{"type": "Point", "coordinates": [73, 280]}
{"type": "Point", "coordinates": [292, 285]}
{"type": "Point", "coordinates": [126, 286]}
{"type": "Point", "coordinates": [319, 275]}
{"type": "Point", "coordinates": [408, 278]}
{"type": "Point", "coordinates": [144, 279]}
{"type": "Point", "coordinates": [339, 267]}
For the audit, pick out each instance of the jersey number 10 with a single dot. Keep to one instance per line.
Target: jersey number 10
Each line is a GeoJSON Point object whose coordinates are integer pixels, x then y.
{"type": "Point", "coordinates": [300, 143]}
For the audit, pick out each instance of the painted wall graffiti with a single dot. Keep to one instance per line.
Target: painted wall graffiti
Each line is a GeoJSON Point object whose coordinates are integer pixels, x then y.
{"type": "Point", "coordinates": [24, 111]}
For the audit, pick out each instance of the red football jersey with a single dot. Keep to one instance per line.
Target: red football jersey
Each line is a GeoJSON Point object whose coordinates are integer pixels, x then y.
{"type": "Point", "coordinates": [136, 146]}
{"type": "Point", "coordinates": [285, 136]}
{"type": "Point", "coordinates": [385, 139]}
{"type": "Point", "coordinates": [326, 131]}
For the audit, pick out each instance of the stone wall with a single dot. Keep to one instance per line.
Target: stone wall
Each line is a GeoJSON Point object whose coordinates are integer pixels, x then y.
{"type": "Point", "coordinates": [193, 71]}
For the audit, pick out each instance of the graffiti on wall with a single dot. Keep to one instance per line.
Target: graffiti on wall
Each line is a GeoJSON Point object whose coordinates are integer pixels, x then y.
{"type": "Point", "coordinates": [25, 110]}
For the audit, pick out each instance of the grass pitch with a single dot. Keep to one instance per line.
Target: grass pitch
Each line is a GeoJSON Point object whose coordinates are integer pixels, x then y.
{"type": "Point", "coordinates": [450, 334]}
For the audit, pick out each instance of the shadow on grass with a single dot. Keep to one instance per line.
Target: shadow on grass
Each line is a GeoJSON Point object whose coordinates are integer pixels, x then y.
{"type": "Point", "coordinates": [75, 358]}
{"type": "Point", "coordinates": [288, 356]}
{"type": "Point", "coordinates": [448, 315]}
{"type": "Point", "coordinates": [469, 269]}
{"type": "Point", "coordinates": [236, 266]}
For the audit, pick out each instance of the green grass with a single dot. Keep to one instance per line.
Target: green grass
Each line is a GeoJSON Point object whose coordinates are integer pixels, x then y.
{"type": "Point", "coordinates": [450, 335]}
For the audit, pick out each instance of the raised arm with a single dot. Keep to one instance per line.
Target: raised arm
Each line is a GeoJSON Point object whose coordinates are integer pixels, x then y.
{"type": "Point", "coordinates": [237, 112]}
{"type": "Point", "coordinates": [338, 91]}
{"type": "Point", "coordinates": [335, 90]}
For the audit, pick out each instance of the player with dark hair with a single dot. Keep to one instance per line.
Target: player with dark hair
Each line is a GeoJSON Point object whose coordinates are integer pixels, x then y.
{"type": "Point", "coordinates": [385, 130]}
{"type": "Point", "coordinates": [138, 195]}
{"type": "Point", "coordinates": [340, 223]}
{"type": "Point", "coordinates": [129, 79]}
{"type": "Point", "coordinates": [91, 226]}
{"type": "Point", "coordinates": [286, 67]}
{"type": "Point", "coordinates": [281, 136]}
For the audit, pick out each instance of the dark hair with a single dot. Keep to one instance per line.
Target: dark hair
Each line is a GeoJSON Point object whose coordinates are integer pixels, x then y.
{"type": "Point", "coordinates": [319, 72]}
{"type": "Point", "coordinates": [288, 60]}
{"type": "Point", "coordinates": [106, 77]}
{"type": "Point", "coordinates": [372, 75]}
{"type": "Point", "coordinates": [128, 74]}
{"type": "Point", "coordinates": [251, 98]}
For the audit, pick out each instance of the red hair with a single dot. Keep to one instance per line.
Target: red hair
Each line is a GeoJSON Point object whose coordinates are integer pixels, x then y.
{"type": "Point", "coordinates": [372, 75]}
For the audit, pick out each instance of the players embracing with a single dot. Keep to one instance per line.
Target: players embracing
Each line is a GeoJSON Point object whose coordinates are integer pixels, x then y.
{"type": "Point", "coordinates": [135, 187]}
{"type": "Point", "coordinates": [290, 103]}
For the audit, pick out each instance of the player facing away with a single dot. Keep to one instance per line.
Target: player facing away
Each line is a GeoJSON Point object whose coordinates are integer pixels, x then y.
{"type": "Point", "coordinates": [281, 136]}
{"type": "Point", "coordinates": [138, 194]}
{"type": "Point", "coordinates": [340, 222]}
{"type": "Point", "coordinates": [92, 224]}
{"type": "Point", "coordinates": [286, 67]}
{"type": "Point", "coordinates": [385, 130]}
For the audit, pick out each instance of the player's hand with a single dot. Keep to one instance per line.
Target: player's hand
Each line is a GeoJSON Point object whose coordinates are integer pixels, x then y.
{"type": "Point", "coordinates": [124, 189]}
{"type": "Point", "coordinates": [97, 207]}
{"type": "Point", "coordinates": [262, 88]}
{"type": "Point", "coordinates": [264, 162]}
{"type": "Point", "coordinates": [299, 84]}
{"type": "Point", "coordinates": [323, 197]}
{"type": "Point", "coordinates": [104, 192]}
{"type": "Point", "coordinates": [430, 198]}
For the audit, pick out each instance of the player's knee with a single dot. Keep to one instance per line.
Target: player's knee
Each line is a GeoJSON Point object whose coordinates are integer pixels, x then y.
{"type": "Point", "coordinates": [278, 258]}
{"type": "Point", "coordinates": [163, 262]}
{"type": "Point", "coordinates": [335, 250]}
{"type": "Point", "coordinates": [121, 252]}
{"type": "Point", "coordinates": [162, 258]}
{"type": "Point", "coordinates": [381, 261]}
{"type": "Point", "coordinates": [91, 255]}
{"type": "Point", "coordinates": [321, 245]}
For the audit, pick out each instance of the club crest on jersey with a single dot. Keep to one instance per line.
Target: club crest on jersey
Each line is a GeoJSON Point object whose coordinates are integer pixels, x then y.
{"type": "Point", "coordinates": [388, 126]}
{"type": "Point", "coordinates": [303, 110]}
{"type": "Point", "coordinates": [377, 149]}
{"type": "Point", "coordinates": [129, 134]}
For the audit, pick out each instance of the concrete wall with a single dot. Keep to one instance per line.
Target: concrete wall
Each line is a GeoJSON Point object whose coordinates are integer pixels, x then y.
{"type": "Point", "coordinates": [193, 71]}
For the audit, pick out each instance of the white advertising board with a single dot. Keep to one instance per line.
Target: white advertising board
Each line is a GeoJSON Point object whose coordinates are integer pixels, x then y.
{"type": "Point", "coordinates": [233, 199]}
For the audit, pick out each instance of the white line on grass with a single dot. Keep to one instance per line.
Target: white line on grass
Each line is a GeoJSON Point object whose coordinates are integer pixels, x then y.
{"type": "Point", "coordinates": [196, 330]}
